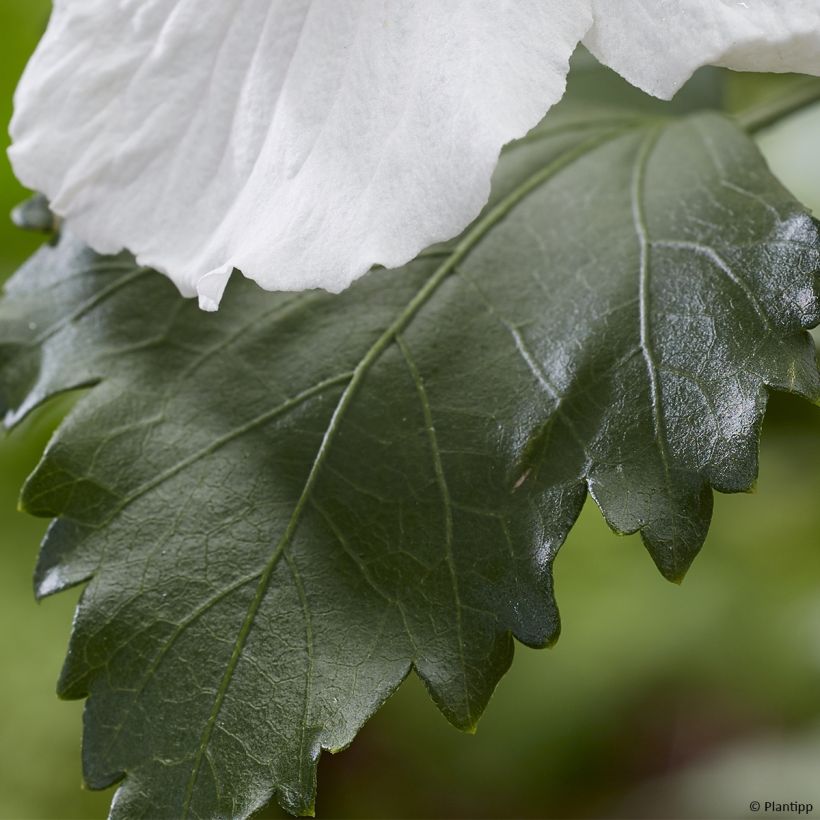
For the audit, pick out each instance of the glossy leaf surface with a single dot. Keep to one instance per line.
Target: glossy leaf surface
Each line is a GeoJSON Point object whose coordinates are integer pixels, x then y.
{"type": "Point", "coordinates": [282, 508]}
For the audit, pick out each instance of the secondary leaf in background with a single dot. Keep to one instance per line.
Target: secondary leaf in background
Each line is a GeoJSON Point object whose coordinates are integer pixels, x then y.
{"type": "Point", "coordinates": [281, 508]}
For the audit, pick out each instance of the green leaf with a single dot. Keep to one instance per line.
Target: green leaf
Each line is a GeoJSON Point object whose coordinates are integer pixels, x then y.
{"type": "Point", "coordinates": [282, 508]}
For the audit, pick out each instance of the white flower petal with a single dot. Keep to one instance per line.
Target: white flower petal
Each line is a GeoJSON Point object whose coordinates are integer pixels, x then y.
{"type": "Point", "coordinates": [300, 141]}
{"type": "Point", "coordinates": [658, 44]}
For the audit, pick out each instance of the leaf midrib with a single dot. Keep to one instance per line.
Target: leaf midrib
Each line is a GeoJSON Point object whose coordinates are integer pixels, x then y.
{"type": "Point", "coordinates": [644, 295]}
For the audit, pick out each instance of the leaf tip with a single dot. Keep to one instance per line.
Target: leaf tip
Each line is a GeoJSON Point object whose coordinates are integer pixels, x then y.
{"type": "Point", "coordinates": [676, 573]}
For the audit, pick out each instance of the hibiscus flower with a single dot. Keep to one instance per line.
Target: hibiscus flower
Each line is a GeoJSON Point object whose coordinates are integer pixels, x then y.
{"type": "Point", "coordinates": [303, 141]}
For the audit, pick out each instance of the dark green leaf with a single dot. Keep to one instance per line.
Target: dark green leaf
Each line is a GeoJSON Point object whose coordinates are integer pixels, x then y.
{"type": "Point", "coordinates": [282, 508]}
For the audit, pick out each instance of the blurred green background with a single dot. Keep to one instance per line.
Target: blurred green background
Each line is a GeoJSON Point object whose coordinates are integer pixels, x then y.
{"type": "Point", "coordinates": [658, 701]}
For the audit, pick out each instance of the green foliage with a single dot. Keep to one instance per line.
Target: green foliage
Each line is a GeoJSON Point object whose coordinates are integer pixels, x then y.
{"type": "Point", "coordinates": [282, 508]}
{"type": "Point", "coordinates": [27, 21]}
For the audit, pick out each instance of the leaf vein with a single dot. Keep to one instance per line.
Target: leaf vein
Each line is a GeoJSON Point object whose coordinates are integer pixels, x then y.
{"type": "Point", "coordinates": [444, 490]}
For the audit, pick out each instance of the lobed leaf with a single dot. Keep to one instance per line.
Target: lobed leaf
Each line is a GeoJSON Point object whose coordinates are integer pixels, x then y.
{"type": "Point", "coordinates": [281, 509]}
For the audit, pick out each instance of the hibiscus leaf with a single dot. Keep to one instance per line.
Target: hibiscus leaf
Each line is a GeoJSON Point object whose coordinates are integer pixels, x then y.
{"type": "Point", "coordinates": [282, 508]}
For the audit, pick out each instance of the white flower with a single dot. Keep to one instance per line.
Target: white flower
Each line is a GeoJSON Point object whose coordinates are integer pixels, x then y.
{"type": "Point", "coordinates": [303, 141]}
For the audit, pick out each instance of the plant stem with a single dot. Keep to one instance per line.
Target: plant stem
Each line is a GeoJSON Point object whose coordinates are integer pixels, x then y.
{"type": "Point", "coordinates": [770, 111]}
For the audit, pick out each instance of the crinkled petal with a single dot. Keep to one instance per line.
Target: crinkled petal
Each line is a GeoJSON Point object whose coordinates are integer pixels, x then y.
{"type": "Point", "coordinates": [299, 141]}
{"type": "Point", "coordinates": [658, 44]}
